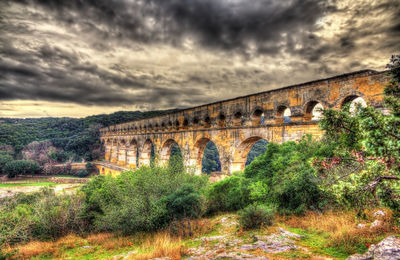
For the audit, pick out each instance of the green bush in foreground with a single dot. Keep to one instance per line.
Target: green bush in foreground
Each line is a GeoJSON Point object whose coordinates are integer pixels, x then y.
{"type": "Point", "coordinates": [40, 215]}
{"type": "Point", "coordinates": [144, 200]}
{"type": "Point", "coordinates": [255, 216]}
{"type": "Point", "coordinates": [229, 194]}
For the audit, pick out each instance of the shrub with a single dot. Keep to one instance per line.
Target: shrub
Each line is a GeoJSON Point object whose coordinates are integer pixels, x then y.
{"type": "Point", "coordinates": [40, 215]}
{"type": "Point", "coordinates": [57, 215]}
{"type": "Point", "coordinates": [185, 202]}
{"type": "Point", "coordinates": [284, 176]}
{"type": "Point", "coordinates": [4, 158]}
{"type": "Point", "coordinates": [82, 173]}
{"type": "Point", "coordinates": [137, 201]}
{"type": "Point", "coordinates": [229, 194]}
{"type": "Point", "coordinates": [255, 216]}
{"type": "Point", "coordinates": [21, 167]}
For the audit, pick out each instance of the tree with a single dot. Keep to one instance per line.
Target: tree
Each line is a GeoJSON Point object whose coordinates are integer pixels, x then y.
{"type": "Point", "coordinates": [4, 158]}
{"type": "Point", "coordinates": [368, 142]}
{"type": "Point", "coordinates": [21, 167]}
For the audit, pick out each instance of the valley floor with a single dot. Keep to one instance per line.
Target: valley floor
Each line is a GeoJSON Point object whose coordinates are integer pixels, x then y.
{"type": "Point", "coordinates": [61, 184]}
{"type": "Point", "coordinates": [332, 235]}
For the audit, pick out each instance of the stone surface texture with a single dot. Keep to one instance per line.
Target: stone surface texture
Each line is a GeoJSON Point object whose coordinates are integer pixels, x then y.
{"type": "Point", "coordinates": [387, 249]}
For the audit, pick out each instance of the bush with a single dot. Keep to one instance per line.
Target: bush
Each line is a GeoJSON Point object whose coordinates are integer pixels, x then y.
{"type": "Point", "coordinates": [40, 215]}
{"type": "Point", "coordinates": [185, 202]}
{"type": "Point", "coordinates": [21, 167]}
{"type": "Point", "coordinates": [57, 215]}
{"type": "Point", "coordinates": [4, 158]}
{"type": "Point", "coordinates": [82, 173]}
{"type": "Point", "coordinates": [284, 176]}
{"type": "Point", "coordinates": [138, 201]}
{"type": "Point", "coordinates": [255, 216]}
{"type": "Point", "coordinates": [229, 194]}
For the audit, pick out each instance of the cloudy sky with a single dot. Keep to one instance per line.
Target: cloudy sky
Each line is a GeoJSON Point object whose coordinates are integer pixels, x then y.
{"type": "Point", "coordinates": [82, 57]}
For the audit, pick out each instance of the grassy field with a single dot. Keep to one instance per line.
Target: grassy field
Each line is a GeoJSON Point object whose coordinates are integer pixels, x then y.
{"type": "Point", "coordinates": [11, 187]}
{"type": "Point", "coordinates": [332, 235]}
{"type": "Point", "coordinates": [18, 184]}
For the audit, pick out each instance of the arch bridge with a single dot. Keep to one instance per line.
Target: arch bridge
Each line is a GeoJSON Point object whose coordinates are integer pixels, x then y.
{"type": "Point", "coordinates": [234, 125]}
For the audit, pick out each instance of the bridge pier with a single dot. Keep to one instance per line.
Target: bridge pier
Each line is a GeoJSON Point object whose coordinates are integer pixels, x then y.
{"type": "Point", "coordinates": [122, 154]}
{"type": "Point", "coordinates": [114, 152]}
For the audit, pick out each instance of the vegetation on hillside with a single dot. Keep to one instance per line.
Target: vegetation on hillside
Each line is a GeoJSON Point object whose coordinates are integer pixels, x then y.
{"type": "Point", "coordinates": [72, 137]}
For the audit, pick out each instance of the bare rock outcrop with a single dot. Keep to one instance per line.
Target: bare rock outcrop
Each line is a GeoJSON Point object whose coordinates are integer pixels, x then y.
{"type": "Point", "coordinates": [387, 249]}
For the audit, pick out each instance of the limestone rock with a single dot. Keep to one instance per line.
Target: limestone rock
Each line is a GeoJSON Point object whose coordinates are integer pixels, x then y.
{"type": "Point", "coordinates": [376, 223]}
{"type": "Point", "coordinates": [387, 249]}
{"type": "Point", "coordinates": [361, 225]}
{"type": "Point", "coordinates": [379, 213]}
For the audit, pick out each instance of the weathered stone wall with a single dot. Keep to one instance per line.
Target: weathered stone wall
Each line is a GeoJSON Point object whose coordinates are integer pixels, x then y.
{"type": "Point", "coordinates": [235, 125]}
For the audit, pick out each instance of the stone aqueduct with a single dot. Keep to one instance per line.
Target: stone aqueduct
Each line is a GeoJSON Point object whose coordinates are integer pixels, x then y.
{"type": "Point", "coordinates": [234, 125]}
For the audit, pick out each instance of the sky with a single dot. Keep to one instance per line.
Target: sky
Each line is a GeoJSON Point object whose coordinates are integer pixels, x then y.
{"type": "Point", "coordinates": [82, 57]}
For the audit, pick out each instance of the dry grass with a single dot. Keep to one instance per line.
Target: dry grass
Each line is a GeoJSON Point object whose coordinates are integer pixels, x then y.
{"type": "Point", "coordinates": [36, 248]}
{"type": "Point", "coordinates": [98, 239]}
{"type": "Point", "coordinates": [192, 228]}
{"type": "Point", "coordinates": [161, 245]}
{"type": "Point", "coordinates": [341, 227]}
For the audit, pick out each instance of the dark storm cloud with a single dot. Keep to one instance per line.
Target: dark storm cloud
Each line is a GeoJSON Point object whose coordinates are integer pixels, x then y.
{"type": "Point", "coordinates": [222, 24]}
{"type": "Point", "coordinates": [272, 29]}
{"type": "Point", "coordinates": [69, 79]}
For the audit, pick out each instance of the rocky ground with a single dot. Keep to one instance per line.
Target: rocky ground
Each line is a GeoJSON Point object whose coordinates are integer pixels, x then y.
{"type": "Point", "coordinates": [254, 246]}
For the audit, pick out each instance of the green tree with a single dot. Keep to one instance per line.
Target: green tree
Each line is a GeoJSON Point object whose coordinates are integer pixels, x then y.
{"type": "Point", "coordinates": [4, 158]}
{"type": "Point", "coordinates": [21, 167]}
{"type": "Point", "coordinates": [368, 151]}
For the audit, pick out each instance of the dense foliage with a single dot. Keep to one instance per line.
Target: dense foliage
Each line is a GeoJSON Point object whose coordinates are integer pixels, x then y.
{"type": "Point", "coordinates": [21, 167]}
{"type": "Point", "coordinates": [78, 138]}
{"type": "Point", "coordinates": [365, 168]}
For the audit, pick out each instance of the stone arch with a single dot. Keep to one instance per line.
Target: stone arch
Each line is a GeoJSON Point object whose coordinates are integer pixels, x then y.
{"type": "Point", "coordinates": [313, 111]}
{"type": "Point", "coordinates": [122, 152]}
{"type": "Point", "coordinates": [241, 152]}
{"type": "Point", "coordinates": [207, 121]}
{"type": "Point", "coordinates": [177, 124]}
{"type": "Point", "coordinates": [185, 123]}
{"type": "Point", "coordinates": [237, 118]}
{"type": "Point", "coordinates": [145, 153]}
{"type": "Point", "coordinates": [221, 122]}
{"type": "Point", "coordinates": [198, 153]}
{"type": "Point", "coordinates": [353, 101]}
{"type": "Point", "coordinates": [257, 117]}
{"type": "Point", "coordinates": [283, 114]}
{"type": "Point", "coordinates": [166, 148]}
{"type": "Point", "coordinates": [195, 120]}
{"type": "Point", "coordinates": [132, 154]}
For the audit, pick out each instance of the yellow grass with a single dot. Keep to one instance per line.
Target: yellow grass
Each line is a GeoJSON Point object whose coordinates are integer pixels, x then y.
{"type": "Point", "coordinates": [164, 243]}
{"type": "Point", "coordinates": [341, 227]}
{"type": "Point", "coordinates": [35, 248]}
{"type": "Point", "coordinates": [161, 245]}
